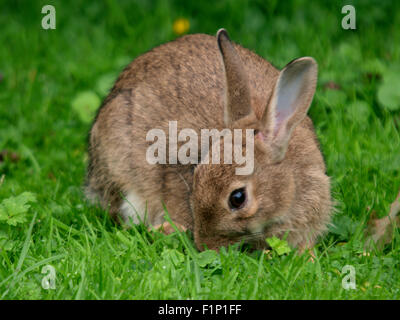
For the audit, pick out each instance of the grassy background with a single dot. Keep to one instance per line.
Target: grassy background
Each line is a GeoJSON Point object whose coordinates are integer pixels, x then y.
{"type": "Point", "coordinates": [43, 72]}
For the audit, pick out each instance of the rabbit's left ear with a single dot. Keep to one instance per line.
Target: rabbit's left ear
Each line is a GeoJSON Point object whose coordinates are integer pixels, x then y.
{"type": "Point", "coordinates": [291, 99]}
{"type": "Point", "coordinates": [237, 104]}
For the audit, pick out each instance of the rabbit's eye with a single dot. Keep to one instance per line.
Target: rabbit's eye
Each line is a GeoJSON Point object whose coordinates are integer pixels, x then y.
{"type": "Point", "coordinates": [237, 198]}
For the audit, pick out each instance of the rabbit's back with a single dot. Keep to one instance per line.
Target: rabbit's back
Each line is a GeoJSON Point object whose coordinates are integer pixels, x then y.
{"type": "Point", "coordinates": [184, 80]}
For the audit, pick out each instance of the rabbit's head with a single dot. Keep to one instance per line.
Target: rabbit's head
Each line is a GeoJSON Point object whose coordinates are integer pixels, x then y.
{"type": "Point", "coordinates": [229, 207]}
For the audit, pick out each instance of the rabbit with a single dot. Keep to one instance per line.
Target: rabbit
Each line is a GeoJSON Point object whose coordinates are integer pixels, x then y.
{"type": "Point", "coordinates": [202, 81]}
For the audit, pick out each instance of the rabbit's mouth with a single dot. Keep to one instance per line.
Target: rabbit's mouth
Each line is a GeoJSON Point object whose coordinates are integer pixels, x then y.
{"type": "Point", "coordinates": [251, 237]}
{"type": "Point", "coordinates": [253, 241]}
{"type": "Point", "coordinates": [247, 239]}
{"type": "Point", "coordinates": [255, 238]}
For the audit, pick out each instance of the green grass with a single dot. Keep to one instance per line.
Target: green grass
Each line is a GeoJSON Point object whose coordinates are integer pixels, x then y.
{"type": "Point", "coordinates": [45, 70]}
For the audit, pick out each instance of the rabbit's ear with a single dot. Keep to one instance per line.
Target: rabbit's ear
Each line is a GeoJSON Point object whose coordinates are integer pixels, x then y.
{"type": "Point", "coordinates": [289, 104]}
{"type": "Point", "coordinates": [237, 103]}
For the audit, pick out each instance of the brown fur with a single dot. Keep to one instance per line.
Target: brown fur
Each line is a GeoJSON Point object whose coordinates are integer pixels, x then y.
{"type": "Point", "coordinates": [191, 80]}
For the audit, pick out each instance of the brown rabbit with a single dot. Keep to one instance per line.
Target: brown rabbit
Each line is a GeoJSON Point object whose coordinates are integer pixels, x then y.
{"type": "Point", "coordinates": [205, 82]}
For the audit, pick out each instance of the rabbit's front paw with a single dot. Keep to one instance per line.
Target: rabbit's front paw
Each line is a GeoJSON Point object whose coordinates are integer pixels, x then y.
{"type": "Point", "coordinates": [167, 228]}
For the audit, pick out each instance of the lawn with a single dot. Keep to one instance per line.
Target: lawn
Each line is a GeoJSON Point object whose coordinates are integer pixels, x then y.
{"type": "Point", "coordinates": [46, 75]}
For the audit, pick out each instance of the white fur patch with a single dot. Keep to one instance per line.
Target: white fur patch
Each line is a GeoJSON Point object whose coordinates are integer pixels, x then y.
{"type": "Point", "coordinates": [133, 208]}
